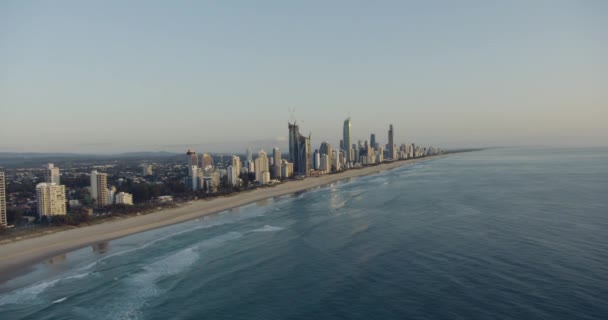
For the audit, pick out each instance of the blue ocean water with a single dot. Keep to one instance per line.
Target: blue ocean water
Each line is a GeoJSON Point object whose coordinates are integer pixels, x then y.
{"type": "Point", "coordinates": [496, 234]}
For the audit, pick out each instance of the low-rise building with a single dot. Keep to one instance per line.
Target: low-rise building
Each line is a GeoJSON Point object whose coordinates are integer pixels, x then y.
{"type": "Point", "coordinates": [124, 198]}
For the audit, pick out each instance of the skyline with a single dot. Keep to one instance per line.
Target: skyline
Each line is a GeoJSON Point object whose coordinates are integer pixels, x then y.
{"type": "Point", "coordinates": [221, 78]}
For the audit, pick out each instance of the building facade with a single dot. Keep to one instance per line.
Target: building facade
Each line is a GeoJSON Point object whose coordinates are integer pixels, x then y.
{"type": "Point", "coordinates": [51, 199]}
{"type": "Point", "coordinates": [346, 138]}
{"type": "Point", "coordinates": [3, 221]}
{"type": "Point", "coordinates": [261, 166]}
{"type": "Point", "coordinates": [391, 143]}
{"type": "Point", "coordinates": [206, 161]}
{"type": "Point", "coordinates": [276, 155]}
{"type": "Point", "coordinates": [124, 198]}
{"type": "Point", "coordinates": [99, 188]}
{"type": "Point", "coordinates": [286, 169]}
{"type": "Point", "coordinates": [52, 174]}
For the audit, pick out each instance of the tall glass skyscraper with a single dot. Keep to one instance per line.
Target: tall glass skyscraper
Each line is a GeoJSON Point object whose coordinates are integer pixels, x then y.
{"type": "Point", "coordinates": [299, 150]}
{"type": "Point", "coordinates": [347, 140]}
{"type": "Point", "coordinates": [391, 143]}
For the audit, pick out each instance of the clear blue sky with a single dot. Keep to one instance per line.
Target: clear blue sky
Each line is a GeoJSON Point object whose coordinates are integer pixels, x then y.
{"type": "Point", "coordinates": [114, 76]}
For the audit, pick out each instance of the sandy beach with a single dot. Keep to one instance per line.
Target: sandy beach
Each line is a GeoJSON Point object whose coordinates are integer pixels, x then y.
{"type": "Point", "coordinates": [16, 256]}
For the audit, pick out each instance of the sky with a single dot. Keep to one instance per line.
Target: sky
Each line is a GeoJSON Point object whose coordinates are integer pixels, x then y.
{"type": "Point", "coordinates": [221, 76]}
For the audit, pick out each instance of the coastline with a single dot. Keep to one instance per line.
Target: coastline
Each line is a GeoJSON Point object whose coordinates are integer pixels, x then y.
{"type": "Point", "coordinates": [16, 256]}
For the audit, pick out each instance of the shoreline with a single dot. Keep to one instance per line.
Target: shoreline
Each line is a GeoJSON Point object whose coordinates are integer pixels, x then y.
{"type": "Point", "coordinates": [18, 256]}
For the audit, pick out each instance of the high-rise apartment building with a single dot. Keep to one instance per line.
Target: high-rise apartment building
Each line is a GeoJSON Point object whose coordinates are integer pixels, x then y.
{"type": "Point", "coordinates": [391, 143]}
{"type": "Point", "coordinates": [249, 155]}
{"type": "Point", "coordinates": [261, 165]}
{"type": "Point", "coordinates": [286, 169]}
{"type": "Point", "coordinates": [192, 158]}
{"type": "Point", "coordinates": [276, 155]}
{"type": "Point", "coordinates": [51, 199]}
{"type": "Point", "coordinates": [327, 150]}
{"type": "Point", "coordinates": [52, 174]}
{"type": "Point", "coordinates": [299, 151]}
{"type": "Point", "coordinates": [235, 162]}
{"type": "Point", "coordinates": [233, 175]}
{"type": "Point", "coordinates": [347, 140]}
{"type": "Point", "coordinates": [99, 188]}
{"type": "Point", "coordinates": [372, 140]}
{"type": "Point", "coordinates": [206, 161]}
{"type": "Point", "coordinates": [3, 221]}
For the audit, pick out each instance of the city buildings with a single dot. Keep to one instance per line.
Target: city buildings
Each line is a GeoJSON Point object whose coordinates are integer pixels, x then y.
{"type": "Point", "coordinates": [3, 221]}
{"type": "Point", "coordinates": [51, 199]}
{"type": "Point", "coordinates": [99, 188]}
{"type": "Point", "coordinates": [52, 174]}
{"type": "Point", "coordinates": [124, 198]}
{"type": "Point", "coordinates": [347, 140]}
{"type": "Point", "coordinates": [276, 155]}
{"type": "Point", "coordinates": [299, 151]}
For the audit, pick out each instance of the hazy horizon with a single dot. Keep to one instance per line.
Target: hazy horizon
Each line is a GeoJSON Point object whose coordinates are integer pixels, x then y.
{"type": "Point", "coordinates": [110, 77]}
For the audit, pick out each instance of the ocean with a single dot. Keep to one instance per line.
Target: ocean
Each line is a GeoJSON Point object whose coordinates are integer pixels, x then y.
{"type": "Point", "coordinates": [495, 234]}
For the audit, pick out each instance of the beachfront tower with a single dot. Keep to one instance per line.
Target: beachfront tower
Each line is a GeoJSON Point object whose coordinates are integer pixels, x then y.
{"type": "Point", "coordinates": [3, 222]}
{"type": "Point", "coordinates": [276, 169]}
{"type": "Point", "coordinates": [99, 188]}
{"type": "Point", "coordinates": [299, 151]}
{"type": "Point", "coordinates": [347, 139]}
{"type": "Point", "coordinates": [391, 143]}
{"type": "Point", "coordinates": [51, 199]}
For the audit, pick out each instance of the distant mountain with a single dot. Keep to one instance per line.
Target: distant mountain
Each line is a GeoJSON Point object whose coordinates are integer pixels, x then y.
{"type": "Point", "coordinates": [40, 155]}
{"type": "Point", "coordinates": [36, 159]}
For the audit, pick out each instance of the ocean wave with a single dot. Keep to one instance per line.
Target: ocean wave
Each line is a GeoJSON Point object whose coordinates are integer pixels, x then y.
{"type": "Point", "coordinates": [208, 222]}
{"type": "Point", "coordinates": [268, 228]}
{"type": "Point", "coordinates": [31, 293]}
{"type": "Point", "coordinates": [143, 286]}
{"type": "Point", "coordinates": [59, 300]}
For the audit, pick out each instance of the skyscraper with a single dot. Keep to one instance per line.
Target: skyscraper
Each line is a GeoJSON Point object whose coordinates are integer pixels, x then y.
{"type": "Point", "coordinates": [236, 163]}
{"type": "Point", "coordinates": [299, 150]}
{"type": "Point", "coordinates": [391, 143]}
{"type": "Point", "coordinates": [276, 155]}
{"type": "Point", "coordinates": [52, 174]}
{"type": "Point", "coordinates": [261, 165]}
{"type": "Point", "coordinates": [51, 199]}
{"type": "Point", "coordinates": [99, 188]}
{"type": "Point", "coordinates": [3, 222]}
{"type": "Point", "coordinates": [249, 155]}
{"type": "Point", "coordinates": [372, 140]}
{"type": "Point", "coordinates": [347, 139]}
{"type": "Point", "coordinates": [192, 158]}
{"type": "Point", "coordinates": [326, 149]}
{"type": "Point", "coordinates": [206, 161]}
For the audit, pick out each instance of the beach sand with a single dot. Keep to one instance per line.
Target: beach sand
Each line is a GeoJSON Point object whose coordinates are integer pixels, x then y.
{"type": "Point", "coordinates": [16, 256]}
